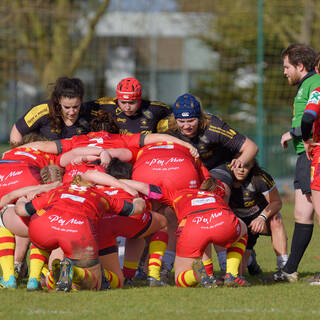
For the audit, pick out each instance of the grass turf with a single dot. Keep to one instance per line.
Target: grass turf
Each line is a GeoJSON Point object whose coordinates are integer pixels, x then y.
{"type": "Point", "coordinates": [279, 301]}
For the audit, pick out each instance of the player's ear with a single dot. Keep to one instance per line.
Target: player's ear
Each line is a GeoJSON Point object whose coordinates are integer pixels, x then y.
{"type": "Point", "coordinates": [300, 67]}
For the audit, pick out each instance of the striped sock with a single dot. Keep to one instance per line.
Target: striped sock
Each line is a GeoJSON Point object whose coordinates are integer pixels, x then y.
{"type": "Point", "coordinates": [83, 278]}
{"type": "Point", "coordinates": [51, 284]}
{"type": "Point", "coordinates": [208, 265]}
{"type": "Point", "coordinates": [38, 258]}
{"type": "Point", "coordinates": [53, 275]}
{"type": "Point", "coordinates": [186, 279]}
{"type": "Point", "coordinates": [7, 246]}
{"type": "Point", "coordinates": [235, 254]}
{"type": "Point", "coordinates": [157, 247]}
{"type": "Point", "coordinates": [45, 270]}
{"type": "Point", "coordinates": [130, 268]}
{"type": "Point", "coordinates": [113, 279]}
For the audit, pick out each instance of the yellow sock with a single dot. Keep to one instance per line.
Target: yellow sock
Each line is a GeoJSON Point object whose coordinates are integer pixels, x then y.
{"type": "Point", "coordinates": [186, 279]}
{"type": "Point", "coordinates": [38, 258]}
{"type": "Point", "coordinates": [7, 246]}
{"type": "Point", "coordinates": [113, 279]}
{"type": "Point", "coordinates": [45, 270]}
{"type": "Point", "coordinates": [235, 254]}
{"type": "Point", "coordinates": [157, 247]}
{"type": "Point", "coordinates": [83, 278]}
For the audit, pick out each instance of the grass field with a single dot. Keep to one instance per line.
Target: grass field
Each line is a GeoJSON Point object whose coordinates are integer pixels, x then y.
{"type": "Point", "coordinates": [280, 301]}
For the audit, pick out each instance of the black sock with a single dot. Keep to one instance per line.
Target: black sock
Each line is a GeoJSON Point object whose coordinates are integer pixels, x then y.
{"type": "Point", "coordinates": [301, 237]}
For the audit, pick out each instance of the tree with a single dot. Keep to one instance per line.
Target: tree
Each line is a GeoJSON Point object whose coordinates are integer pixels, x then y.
{"type": "Point", "coordinates": [231, 86]}
{"type": "Point", "coordinates": [49, 34]}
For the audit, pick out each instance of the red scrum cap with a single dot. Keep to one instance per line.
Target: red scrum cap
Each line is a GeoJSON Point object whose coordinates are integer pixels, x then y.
{"type": "Point", "coordinates": [129, 89]}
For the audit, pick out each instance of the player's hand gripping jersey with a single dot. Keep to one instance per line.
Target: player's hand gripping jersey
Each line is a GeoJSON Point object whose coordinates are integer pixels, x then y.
{"type": "Point", "coordinates": [169, 165]}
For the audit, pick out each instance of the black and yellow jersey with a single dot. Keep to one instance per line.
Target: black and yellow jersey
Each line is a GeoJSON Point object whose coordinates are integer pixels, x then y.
{"type": "Point", "coordinates": [146, 120]}
{"type": "Point", "coordinates": [217, 144]}
{"type": "Point", "coordinates": [249, 199]}
{"type": "Point", "coordinates": [36, 119]}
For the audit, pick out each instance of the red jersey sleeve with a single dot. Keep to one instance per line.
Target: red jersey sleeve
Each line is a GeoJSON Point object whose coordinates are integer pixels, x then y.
{"type": "Point", "coordinates": [121, 207]}
{"type": "Point", "coordinates": [133, 140]}
{"type": "Point", "coordinates": [64, 145]}
{"type": "Point", "coordinates": [313, 105]}
{"type": "Point", "coordinates": [42, 200]}
{"type": "Point", "coordinates": [204, 172]}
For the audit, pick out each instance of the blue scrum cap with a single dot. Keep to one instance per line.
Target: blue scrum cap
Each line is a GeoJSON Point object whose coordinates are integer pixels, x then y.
{"type": "Point", "coordinates": [186, 106]}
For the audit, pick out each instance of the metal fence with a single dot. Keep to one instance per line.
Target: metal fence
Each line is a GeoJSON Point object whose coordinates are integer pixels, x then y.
{"type": "Point", "coordinates": [208, 47]}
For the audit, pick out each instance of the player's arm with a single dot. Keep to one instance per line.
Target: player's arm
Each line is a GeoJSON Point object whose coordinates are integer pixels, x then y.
{"type": "Point", "coordinates": [258, 225]}
{"type": "Point", "coordinates": [162, 137]}
{"type": "Point", "coordinates": [139, 206]}
{"type": "Point", "coordinates": [105, 179]}
{"type": "Point", "coordinates": [247, 152]}
{"type": "Point", "coordinates": [44, 146]}
{"type": "Point", "coordinates": [287, 136]}
{"type": "Point", "coordinates": [15, 136]}
{"type": "Point", "coordinates": [29, 192]}
{"type": "Point", "coordinates": [26, 208]}
{"type": "Point", "coordinates": [84, 154]}
{"type": "Point", "coordinates": [149, 190]}
{"type": "Point", "coordinates": [20, 207]}
{"type": "Point", "coordinates": [122, 154]}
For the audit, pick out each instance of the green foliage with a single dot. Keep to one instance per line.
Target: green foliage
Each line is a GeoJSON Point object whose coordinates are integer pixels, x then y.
{"type": "Point", "coordinates": [50, 34]}
{"type": "Point", "coordinates": [230, 89]}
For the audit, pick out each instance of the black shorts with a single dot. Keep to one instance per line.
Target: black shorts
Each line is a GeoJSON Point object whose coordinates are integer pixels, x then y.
{"type": "Point", "coordinates": [223, 174]}
{"type": "Point", "coordinates": [252, 238]}
{"type": "Point", "coordinates": [302, 175]}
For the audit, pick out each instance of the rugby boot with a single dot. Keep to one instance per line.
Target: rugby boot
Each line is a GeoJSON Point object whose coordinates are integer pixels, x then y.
{"type": "Point", "coordinates": [9, 284]}
{"type": "Point", "coordinates": [105, 283]}
{"type": "Point", "coordinates": [165, 274]}
{"type": "Point", "coordinates": [153, 282]}
{"type": "Point", "coordinates": [202, 276]}
{"type": "Point", "coordinates": [140, 274]}
{"type": "Point", "coordinates": [238, 281]}
{"type": "Point", "coordinates": [128, 283]}
{"type": "Point", "coordinates": [65, 279]}
{"type": "Point", "coordinates": [33, 285]}
{"type": "Point", "coordinates": [281, 276]}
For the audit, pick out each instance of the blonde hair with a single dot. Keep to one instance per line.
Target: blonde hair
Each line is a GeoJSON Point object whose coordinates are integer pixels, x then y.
{"type": "Point", "coordinates": [51, 173]}
{"type": "Point", "coordinates": [77, 179]}
{"type": "Point", "coordinates": [204, 121]}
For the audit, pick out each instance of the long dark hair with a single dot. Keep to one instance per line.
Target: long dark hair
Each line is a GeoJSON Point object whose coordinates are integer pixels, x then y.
{"type": "Point", "coordinates": [63, 87]}
{"type": "Point", "coordinates": [104, 122]}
